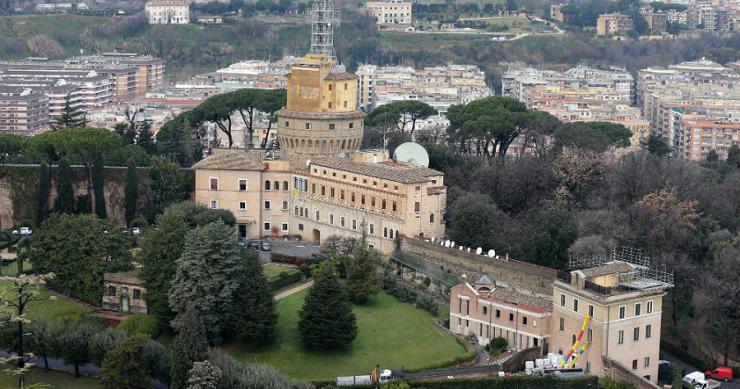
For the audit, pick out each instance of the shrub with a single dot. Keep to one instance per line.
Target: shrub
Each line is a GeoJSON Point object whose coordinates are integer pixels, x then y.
{"type": "Point", "coordinates": [283, 281]}
{"type": "Point", "coordinates": [284, 274]}
{"type": "Point", "coordinates": [139, 222]}
{"type": "Point", "coordinates": [141, 324]}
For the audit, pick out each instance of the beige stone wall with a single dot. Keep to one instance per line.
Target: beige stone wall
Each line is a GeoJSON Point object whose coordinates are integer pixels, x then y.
{"type": "Point", "coordinates": [305, 136]}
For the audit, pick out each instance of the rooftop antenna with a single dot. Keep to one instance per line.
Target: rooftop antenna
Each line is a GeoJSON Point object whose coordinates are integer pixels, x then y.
{"type": "Point", "coordinates": [322, 29]}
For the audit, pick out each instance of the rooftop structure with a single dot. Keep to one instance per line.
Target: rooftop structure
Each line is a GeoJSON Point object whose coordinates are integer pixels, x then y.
{"type": "Point", "coordinates": [323, 20]}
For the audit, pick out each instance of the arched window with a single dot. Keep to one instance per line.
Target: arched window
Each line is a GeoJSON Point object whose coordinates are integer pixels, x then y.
{"type": "Point", "coordinates": [296, 210]}
{"type": "Point", "coordinates": [391, 234]}
{"type": "Point", "coordinates": [431, 218]}
{"type": "Point", "coordinates": [385, 232]}
{"type": "Point", "coordinates": [267, 185]}
{"type": "Point", "coordinates": [285, 186]}
{"type": "Point", "coordinates": [277, 185]}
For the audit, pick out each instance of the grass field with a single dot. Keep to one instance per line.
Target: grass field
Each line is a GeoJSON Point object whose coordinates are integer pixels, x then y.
{"type": "Point", "coordinates": [391, 333]}
{"type": "Point", "coordinates": [55, 380]}
{"type": "Point", "coordinates": [48, 308]}
{"type": "Point", "coordinates": [12, 269]}
{"type": "Point", "coordinates": [272, 270]}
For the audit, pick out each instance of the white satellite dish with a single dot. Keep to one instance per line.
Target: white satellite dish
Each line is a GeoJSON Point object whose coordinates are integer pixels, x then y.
{"type": "Point", "coordinates": [447, 243]}
{"type": "Point", "coordinates": [461, 248]}
{"type": "Point", "coordinates": [452, 244]}
{"type": "Point", "coordinates": [413, 153]}
{"type": "Point", "coordinates": [478, 251]}
{"type": "Point", "coordinates": [491, 253]}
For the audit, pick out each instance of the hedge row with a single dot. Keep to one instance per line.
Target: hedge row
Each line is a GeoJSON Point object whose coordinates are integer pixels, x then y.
{"type": "Point", "coordinates": [410, 295]}
{"type": "Point", "coordinates": [281, 282]}
{"type": "Point", "coordinates": [289, 259]}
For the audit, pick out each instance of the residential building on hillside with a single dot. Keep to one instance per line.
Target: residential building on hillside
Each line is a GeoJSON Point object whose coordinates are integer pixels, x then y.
{"type": "Point", "coordinates": [392, 12]}
{"type": "Point", "coordinates": [168, 11]}
{"type": "Point", "coordinates": [23, 111]}
{"type": "Point", "coordinates": [657, 21]}
{"type": "Point", "coordinates": [613, 24]}
{"type": "Point", "coordinates": [698, 132]}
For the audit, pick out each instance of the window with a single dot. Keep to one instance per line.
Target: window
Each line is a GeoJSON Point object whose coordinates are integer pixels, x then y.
{"type": "Point", "coordinates": [590, 335]}
{"type": "Point", "coordinates": [637, 309]}
{"type": "Point", "coordinates": [307, 126]}
{"type": "Point", "coordinates": [242, 230]}
{"type": "Point", "coordinates": [300, 227]}
{"type": "Point", "coordinates": [498, 314]}
{"type": "Point", "coordinates": [284, 227]}
{"type": "Point", "coordinates": [137, 294]}
{"type": "Point", "coordinates": [331, 192]}
{"type": "Point", "coordinates": [330, 86]}
{"type": "Point", "coordinates": [285, 186]}
{"type": "Point", "coordinates": [647, 361]}
{"type": "Point", "coordinates": [394, 206]}
{"type": "Point", "coordinates": [341, 194]}
{"type": "Point", "coordinates": [649, 307]}
{"type": "Point", "coordinates": [323, 190]}
{"type": "Point", "coordinates": [362, 199]}
{"type": "Point", "coordinates": [341, 221]}
{"type": "Point", "coordinates": [485, 310]}
{"type": "Point", "coordinates": [267, 204]}
{"type": "Point", "coordinates": [575, 305]}
{"type": "Point", "coordinates": [276, 185]}
{"type": "Point", "coordinates": [620, 337]}
{"type": "Point", "coordinates": [351, 124]}
{"type": "Point", "coordinates": [591, 311]}
{"type": "Point", "coordinates": [318, 216]}
{"type": "Point", "coordinates": [331, 125]}
{"type": "Point", "coordinates": [431, 218]}
{"type": "Point", "coordinates": [382, 204]}
{"type": "Point", "coordinates": [266, 227]}
{"type": "Point", "coordinates": [242, 184]}
{"type": "Point", "coordinates": [648, 331]}
{"type": "Point", "coordinates": [111, 291]}
{"type": "Point", "coordinates": [372, 229]}
{"type": "Point", "coordinates": [313, 188]}
{"type": "Point", "coordinates": [636, 333]}
{"type": "Point", "coordinates": [214, 204]}
{"type": "Point", "coordinates": [242, 205]}
{"type": "Point", "coordinates": [353, 197]}
{"type": "Point", "coordinates": [524, 320]}
{"type": "Point", "coordinates": [511, 317]}
{"type": "Point", "coordinates": [562, 324]}
{"type": "Point", "coordinates": [354, 224]}
{"type": "Point", "coordinates": [285, 205]}
{"type": "Point", "coordinates": [417, 207]}
{"type": "Point", "coordinates": [214, 183]}
{"type": "Point", "coordinates": [372, 202]}
{"type": "Point", "coordinates": [622, 312]}
{"type": "Point", "coordinates": [331, 219]}
{"type": "Point", "coordinates": [267, 185]}
{"type": "Point", "coordinates": [287, 124]}
{"type": "Point", "coordinates": [562, 300]}
{"type": "Point", "coordinates": [634, 364]}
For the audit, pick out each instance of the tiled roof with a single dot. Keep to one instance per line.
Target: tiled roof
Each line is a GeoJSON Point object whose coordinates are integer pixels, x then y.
{"type": "Point", "coordinates": [484, 280]}
{"type": "Point", "coordinates": [231, 159]}
{"type": "Point", "coordinates": [614, 267]}
{"type": "Point", "coordinates": [394, 171]}
{"type": "Point", "coordinates": [130, 278]}
{"type": "Point", "coordinates": [509, 296]}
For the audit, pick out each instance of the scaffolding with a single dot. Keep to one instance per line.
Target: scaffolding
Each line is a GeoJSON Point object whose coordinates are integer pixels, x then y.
{"type": "Point", "coordinates": [643, 276]}
{"type": "Point", "coordinates": [323, 20]}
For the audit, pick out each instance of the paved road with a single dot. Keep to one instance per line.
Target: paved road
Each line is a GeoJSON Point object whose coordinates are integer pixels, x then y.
{"type": "Point", "coordinates": [734, 384]}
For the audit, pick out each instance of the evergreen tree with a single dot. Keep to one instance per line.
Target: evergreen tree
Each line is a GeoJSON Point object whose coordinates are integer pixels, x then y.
{"type": "Point", "coordinates": [326, 319]}
{"type": "Point", "coordinates": [124, 368]}
{"type": "Point", "coordinates": [203, 375]}
{"type": "Point", "coordinates": [190, 345]}
{"type": "Point", "coordinates": [129, 134]}
{"type": "Point", "coordinates": [42, 194]}
{"type": "Point", "coordinates": [733, 156]}
{"type": "Point", "coordinates": [657, 145]}
{"type": "Point", "coordinates": [98, 177]}
{"type": "Point", "coordinates": [69, 117]}
{"type": "Point", "coordinates": [253, 316]}
{"type": "Point", "coordinates": [145, 138]}
{"type": "Point", "coordinates": [362, 278]}
{"type": "Point", "coordinates": [208, 276]}
{"type": "Point", "coordinates": [65, 201]}
{"type": "Point", "coordinates": [132, 190]}
{"type": "Point", "coordinates": [161, 246]}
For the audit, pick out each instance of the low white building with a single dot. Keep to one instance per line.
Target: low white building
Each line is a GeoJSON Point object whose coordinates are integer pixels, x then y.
{"type": "Point", "coordinates": [392, 12]}
{"type": "Point", "coordinates": [168, 11]}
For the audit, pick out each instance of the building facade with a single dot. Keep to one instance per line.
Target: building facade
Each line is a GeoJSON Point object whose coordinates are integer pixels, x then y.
{"type": "Point", "coordinates": [394, 12]}
{"type": "Point", "coordinates": [613, 24]}
{"type": "Point", "coordinates": [123, 292]}
{"type": "Point", "coordinates": [168, 11]}
{"type": "Point", "coordinates": [23, 111]}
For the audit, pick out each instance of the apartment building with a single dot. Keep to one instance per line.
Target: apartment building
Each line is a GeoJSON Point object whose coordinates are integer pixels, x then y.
{"type": "Point", "coordinates": [709, 16]}
{"type": "Point", "coordinates": [168, 11]}
{"type": "Point", "coordinates": [698, 133]}
{"type": "Point", "coordinates": [613, 24]}
{"type": "Point", "coordinates": [657, 22]}
{"type": "Point", "coordinates": [489, 310]}
{"type": "Point", "coordinates": [23, 111]}
{"type": "Point", "coordinates": [393, 12]}
{"type": "Point", "coordinates": [319, 184]}
{"type": "Point", "coordinates": [620, 294]}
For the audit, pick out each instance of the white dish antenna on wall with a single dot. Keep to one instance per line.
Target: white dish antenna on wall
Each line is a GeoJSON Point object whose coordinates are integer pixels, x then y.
{"type": "Point", "coordinates": [479, 251]}
{"type": "Point", "coordinates": [413, 153]}
{"type": "Point", "coordinates": [491, 253]}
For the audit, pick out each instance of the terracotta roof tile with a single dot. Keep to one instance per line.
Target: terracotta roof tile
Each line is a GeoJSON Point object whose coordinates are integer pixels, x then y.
{"type": "Point", "coordinates": [231, 159]}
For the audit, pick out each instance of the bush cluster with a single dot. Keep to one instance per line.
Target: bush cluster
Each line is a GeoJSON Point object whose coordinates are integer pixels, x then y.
{"type": "Point", "coordinates": [283, 280]}
{"type": "Point", "coordinates": [408, 294]}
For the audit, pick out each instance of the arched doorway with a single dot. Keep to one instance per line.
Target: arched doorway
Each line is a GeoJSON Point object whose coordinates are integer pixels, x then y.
{"type": "Point", "coordinates": [316, 235]}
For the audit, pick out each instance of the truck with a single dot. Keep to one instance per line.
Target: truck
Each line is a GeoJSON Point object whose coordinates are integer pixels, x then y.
{"type": "Point", "coordinates": [698, 380]}
{"type": "Point", "coordinates": [720, 373]}
{"type": "Point", "coordinates": [384, 376]}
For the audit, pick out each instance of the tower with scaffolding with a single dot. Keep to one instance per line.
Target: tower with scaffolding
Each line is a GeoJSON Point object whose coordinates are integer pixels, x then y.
{"type": "Point", "coordinates": [324, 18]}
{"type": "Point", "coordinates": [612, 304]}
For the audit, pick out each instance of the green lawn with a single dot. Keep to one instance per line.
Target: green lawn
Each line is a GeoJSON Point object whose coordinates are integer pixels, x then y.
{"type": "Point", "coordinates": [391, 333]}
{"type": "Point", "coordinates": [55, 380]}
{"type": "Point", "coordinates": [48, 308]}
{"type": "Point", "coordinates": [12, 269]}
{"type": "Point", "coordinates": [272, 270]}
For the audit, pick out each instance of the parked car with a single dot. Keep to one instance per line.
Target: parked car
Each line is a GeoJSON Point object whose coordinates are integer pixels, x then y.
{"type": "Point", "coordinates": [136, 231]}
{"type": "Point", "coordinates": [698, 380]}
{"type": "Point", "coordinates": [25, 231]}
{"type": "Point", "coordinates": [723, 373]}
{"type": "Point", "coordinates": [265, 246]}
{"type": "Point", "coordinates": [664, 370]}
{"type": "Point", "coordinates": [253, 244]}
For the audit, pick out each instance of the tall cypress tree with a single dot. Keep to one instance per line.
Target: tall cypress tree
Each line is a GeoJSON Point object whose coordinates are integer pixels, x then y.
{"type": "Point", "coordinates": [326, 319]}
{"type": "Point", "coordinates": [98, 177]}
{"type": "Point", "coordinates": [145, 138]}
{"type": "Point", "coordinates": [253, 316]}
{"type": "Point", "coordinates": [132, 191]}
{"type": "Point", "coordinates": [190, 345]}
{"type": "Point", "coordinates": [42, 194]}
{"type": "Point", "coordinates": [65, 201]}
